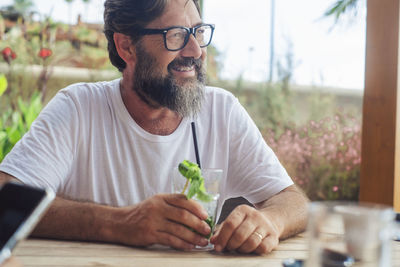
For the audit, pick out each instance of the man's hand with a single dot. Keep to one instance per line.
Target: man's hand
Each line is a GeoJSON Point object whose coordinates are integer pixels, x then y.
{"type": "Point", "coordinates": [163, 219]}
{"type": "Point", "coordinates": [246, 230]}
{"type": "Point", "coordinates": [259, 230]}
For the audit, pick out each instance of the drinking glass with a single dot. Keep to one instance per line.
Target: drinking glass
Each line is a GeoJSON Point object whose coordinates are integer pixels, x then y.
{"type": "Point", "coordinates": [212, 178]}
{"type": "Point", "coordinates": [350, 234]}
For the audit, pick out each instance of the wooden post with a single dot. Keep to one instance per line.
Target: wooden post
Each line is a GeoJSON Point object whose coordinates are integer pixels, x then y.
{"type": "Point", "coordinates": [380, 166]}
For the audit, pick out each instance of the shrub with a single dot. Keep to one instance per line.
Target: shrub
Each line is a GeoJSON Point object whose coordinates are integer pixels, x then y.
{"type": "Point", "coordinates": [323, 157]}
{"type": "Point", "coordinates": [14, 123]}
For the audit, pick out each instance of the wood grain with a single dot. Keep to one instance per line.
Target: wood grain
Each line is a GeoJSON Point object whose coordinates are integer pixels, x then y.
{"type": "Point", "coordinates": [36, 252]}
{"type": "Point", "coordinates": [380, 153]}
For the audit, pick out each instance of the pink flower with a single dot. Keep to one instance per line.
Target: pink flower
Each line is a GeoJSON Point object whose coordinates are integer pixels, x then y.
{"type": "Point", "coordinates": [335, 188]}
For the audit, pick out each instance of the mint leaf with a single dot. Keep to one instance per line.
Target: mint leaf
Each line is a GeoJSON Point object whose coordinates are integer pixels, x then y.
{"type": "Point", "coordinates": [193, 189]}
{"type": "Point", "coordinates": [204, 196]}
{"type": "Point", "coordinates": [192, 172]}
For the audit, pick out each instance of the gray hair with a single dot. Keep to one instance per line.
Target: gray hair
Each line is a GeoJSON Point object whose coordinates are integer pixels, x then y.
{"type": "Point", "coordinates": [129, 17]}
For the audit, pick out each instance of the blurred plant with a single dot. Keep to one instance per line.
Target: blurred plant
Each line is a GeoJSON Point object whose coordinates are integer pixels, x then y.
{"type": "Point", "coordinates": [23, 6]}
{"type": "Point", "coordinates": [45, 74]}
{"type": "Point", "coordinates": [20, 9]}
{"type": "Point", "coordinates": [340, 7]}
{"type": "Point", "coordinates": [2, 27]}
{"type": "Point", "coordinates": [276, 108]}
{"type": "Point", "coordinates": [8, 55]}
{"type": "Point", "coordinates": [286, 66]}
{"type": "Point", "coordinates": [214, 63]}
{"type": "Point", "coordinates": [14, 123]}
{"type": "Point", "coordinates": [44, 53]}
{"type": "Point", "coordinates": [344, 7]}
{"type": "Point", "coordinates": [3, 84]}
{"type": "Point", "coordinates": [323, 157]}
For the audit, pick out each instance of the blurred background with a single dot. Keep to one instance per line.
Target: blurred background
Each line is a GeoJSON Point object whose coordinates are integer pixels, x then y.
{"type": "Point", "coordinates": [297, 67]}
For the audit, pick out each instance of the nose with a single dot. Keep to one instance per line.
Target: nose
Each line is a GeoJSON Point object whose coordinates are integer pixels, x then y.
{"type": "Point", "coordinates": [192, 48]}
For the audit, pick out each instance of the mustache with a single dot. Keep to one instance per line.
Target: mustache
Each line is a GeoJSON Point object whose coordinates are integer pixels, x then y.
{"type": "Point", "coordinates": [186, 62]}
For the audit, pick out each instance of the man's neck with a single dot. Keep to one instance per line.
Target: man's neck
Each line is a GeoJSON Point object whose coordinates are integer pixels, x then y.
{"type": "Point", "coordinates": [159, 121]}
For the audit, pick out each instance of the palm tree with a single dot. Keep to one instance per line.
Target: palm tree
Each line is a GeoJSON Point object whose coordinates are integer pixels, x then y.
{"type": "Point", "coordinates": [341, 7]}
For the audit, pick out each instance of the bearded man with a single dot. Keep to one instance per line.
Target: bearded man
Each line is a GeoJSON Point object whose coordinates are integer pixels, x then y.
{"type": "Point", "coordinates": [109, 148]}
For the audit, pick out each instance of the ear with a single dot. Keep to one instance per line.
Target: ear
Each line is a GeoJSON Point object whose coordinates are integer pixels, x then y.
{"type": "Point", "coordinates": [125, 48]}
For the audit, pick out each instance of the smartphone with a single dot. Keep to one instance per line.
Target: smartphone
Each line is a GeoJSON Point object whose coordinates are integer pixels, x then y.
{"type": "Point", "coordinates": [21, 207]}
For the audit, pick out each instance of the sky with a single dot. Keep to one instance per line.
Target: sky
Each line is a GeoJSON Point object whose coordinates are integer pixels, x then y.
{"type": "Point", "coordinates": [323, 54]}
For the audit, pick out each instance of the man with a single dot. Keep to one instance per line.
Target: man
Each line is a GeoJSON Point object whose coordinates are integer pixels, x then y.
{"type": "Point", "coordinates": [108, 149]}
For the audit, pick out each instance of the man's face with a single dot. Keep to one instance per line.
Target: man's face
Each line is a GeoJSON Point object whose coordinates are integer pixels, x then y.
{"type": "Point", "coordinates": [183, 95]}
{"type": "Point", "coordinates": [169, 79]}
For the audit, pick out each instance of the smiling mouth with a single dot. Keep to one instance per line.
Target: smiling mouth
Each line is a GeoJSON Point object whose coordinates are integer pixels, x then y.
{"type": "Point", "coordinates": [183, 68]}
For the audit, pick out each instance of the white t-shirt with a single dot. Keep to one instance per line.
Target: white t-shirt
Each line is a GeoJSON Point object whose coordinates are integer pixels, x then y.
{"type": "Point", "coordinates": [85, 146]}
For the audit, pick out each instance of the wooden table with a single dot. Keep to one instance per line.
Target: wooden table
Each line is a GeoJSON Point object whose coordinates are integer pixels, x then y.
{"type": "Point", "coordinates": [36, 252]}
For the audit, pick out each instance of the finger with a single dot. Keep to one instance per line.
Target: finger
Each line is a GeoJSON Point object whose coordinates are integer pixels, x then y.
{"type": "Point", "coordinates": [252, 242]}
{"type": "Point", "coordinates": [221, 238]}
{"type": "Point", "coordinates": [240, 235]}
{"type": "Point", "coordinates": [167, 239]}
{"type": "Point", "coordinates": [268, 244]}
{"type": "Point", "coordinates": [184, 233]}
{"type": "Point", "coordinates": [185, 217]}
{"type": "Point", "coordinates": [180, 200]}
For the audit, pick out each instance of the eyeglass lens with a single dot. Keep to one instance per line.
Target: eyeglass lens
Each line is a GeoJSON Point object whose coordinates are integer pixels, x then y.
{"type": "Point", "coordinates": [176, 38]}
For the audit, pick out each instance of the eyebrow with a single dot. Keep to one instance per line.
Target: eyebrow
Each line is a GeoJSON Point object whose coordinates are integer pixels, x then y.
{"type": "Point", "coordinates": [197, 24]}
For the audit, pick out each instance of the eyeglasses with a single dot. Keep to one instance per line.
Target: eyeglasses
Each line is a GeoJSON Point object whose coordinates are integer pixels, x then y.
{"type": "Point", "coordinates": [176, 38]}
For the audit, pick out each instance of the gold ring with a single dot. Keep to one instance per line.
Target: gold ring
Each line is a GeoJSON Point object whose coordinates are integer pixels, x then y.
{"type": "Point", "coordinates": [259, 235]}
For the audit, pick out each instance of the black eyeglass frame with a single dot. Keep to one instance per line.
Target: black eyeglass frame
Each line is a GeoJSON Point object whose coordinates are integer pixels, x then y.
{"type": "Point", "coordinates": [188, 30]}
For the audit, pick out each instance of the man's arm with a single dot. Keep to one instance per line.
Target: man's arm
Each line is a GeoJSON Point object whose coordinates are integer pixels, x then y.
{"type": "Point", "coordinates": [157, 220]}
{"type": "Point", "coordinates": [287, 210]}
{"type": "Point", "coordinates": [259, 230]}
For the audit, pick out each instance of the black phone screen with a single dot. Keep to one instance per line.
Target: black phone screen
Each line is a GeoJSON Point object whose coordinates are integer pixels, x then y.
{"type": "Point", "coordinates": [17, 202]}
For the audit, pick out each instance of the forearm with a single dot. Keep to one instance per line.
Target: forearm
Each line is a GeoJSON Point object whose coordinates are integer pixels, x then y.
{"type": "Point", "coordinates": [160, 219]}
{"type": "Point", "coordinates": [68, 219]}
{"type": "Point", "coordinates": [287, 210]}
{"type": "Point", "coordinates": [4, 178]}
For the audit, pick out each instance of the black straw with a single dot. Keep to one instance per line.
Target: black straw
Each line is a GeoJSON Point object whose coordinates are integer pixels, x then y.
{"type": "Point", "coordinates": [196, 149]}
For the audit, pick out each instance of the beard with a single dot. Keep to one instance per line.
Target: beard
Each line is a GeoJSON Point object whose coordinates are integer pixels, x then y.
{"type": "Point", "coordinates": [183, 96]}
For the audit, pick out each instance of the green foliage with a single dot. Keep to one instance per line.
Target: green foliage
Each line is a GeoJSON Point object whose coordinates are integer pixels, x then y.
{"type": "Point", "coordinates": [214, 64]}
{"type": "Point", "coordinates": [323, 157]}
{"type": "Point", "coordinates": [15, 123]}
{"type": "Point", "coordinates": [3, 84]}
{"type": "Point", "coordinates": [19, 9]}
{"type": "Point", "coordinates": [318, 143]}
{"type": "Point", "coordinates": [23, 6]}
{"type": "Point", "coordinates": [341, 7]}
{"type": "Point", "coordinates": [192, 173]}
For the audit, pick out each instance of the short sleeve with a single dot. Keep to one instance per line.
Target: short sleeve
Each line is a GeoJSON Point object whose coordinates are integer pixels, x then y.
{"type": "Point", "coordinates": [44, 155]}
{"type": "Point", "coordinates": [254, 170]}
